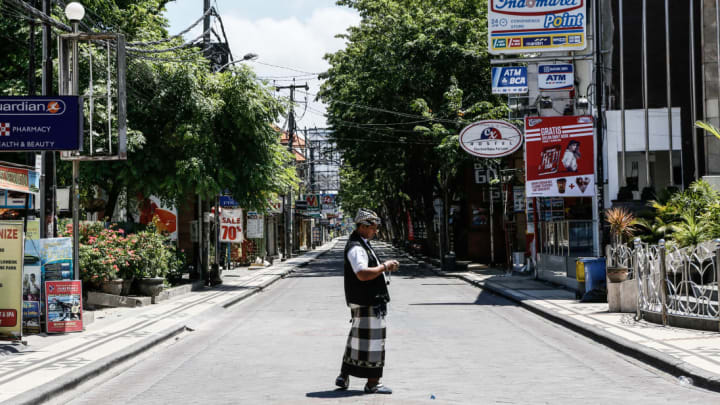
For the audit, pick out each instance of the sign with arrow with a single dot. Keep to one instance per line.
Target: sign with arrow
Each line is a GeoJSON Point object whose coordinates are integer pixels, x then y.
{"type": "Point", "coordinates": [509, 80]}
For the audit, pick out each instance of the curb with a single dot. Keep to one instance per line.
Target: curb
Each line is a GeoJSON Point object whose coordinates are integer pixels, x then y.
{"type": "Point", "coordinates": [48, 391]}
{"type": "Point", "coordinates": [77, 377]}
{"type": "Point", "coordinates": [676, 367]}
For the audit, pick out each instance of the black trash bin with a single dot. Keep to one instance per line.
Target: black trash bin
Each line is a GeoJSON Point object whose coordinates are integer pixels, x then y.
{"type": "Point", "coordinates": [449, 262]}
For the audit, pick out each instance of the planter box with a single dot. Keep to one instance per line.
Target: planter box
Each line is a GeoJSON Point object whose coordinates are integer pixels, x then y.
{"type": "Point", "coordinates": [622, 297]}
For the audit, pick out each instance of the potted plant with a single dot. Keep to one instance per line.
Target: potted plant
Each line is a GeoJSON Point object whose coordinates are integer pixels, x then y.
{"type": "Point", "coordinates": [155, 256]}
{"type": "Point", "coordinates": [622, 226]}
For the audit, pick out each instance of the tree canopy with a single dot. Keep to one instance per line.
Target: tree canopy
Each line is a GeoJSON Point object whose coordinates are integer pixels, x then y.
{"type": "Point", "coordinates": [412, 75]}
{"type": "Point", "coordinates": [191, 131]}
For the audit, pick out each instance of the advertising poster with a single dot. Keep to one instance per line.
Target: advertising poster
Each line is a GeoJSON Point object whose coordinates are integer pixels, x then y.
{"type": "Point", "coordinates": [31, 317]}
{"type": "Point", "coordinates": [520, 26]}
{"type": "Point", "coordinates": [231, 225]}
{"type": "Point", "coordinates": [254, 228]}
{"type": "Point", "coordinates": [11, 277]}
{"type": "Point", "coordinates": [556, 77]}
{"type": "Point", "coordinates": [63, 306]}
{"type": "Point", "coordinates": [509, 80]}
{"type": "Point", "coordinates": [56, 259]}
{"type": "Point", "coordinates": [167, 215]}
{"type": "Point", "coordinates": [559, 160]}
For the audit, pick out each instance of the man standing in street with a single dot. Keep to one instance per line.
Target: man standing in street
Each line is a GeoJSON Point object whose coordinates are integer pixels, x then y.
{"type": "Point", "coordinates": [367, 296]}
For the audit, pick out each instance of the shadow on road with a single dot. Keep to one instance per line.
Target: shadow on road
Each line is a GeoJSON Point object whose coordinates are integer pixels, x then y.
{"type": "Point", "coordinates": [485, 298]}
{"type": "Point", "coordinates": [337, 393]}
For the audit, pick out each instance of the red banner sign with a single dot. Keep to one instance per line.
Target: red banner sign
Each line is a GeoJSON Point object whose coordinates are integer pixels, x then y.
{"type": "Point", "coordinates": [559, 156]}
{"type": "Point", "coordinates": [63, 306]}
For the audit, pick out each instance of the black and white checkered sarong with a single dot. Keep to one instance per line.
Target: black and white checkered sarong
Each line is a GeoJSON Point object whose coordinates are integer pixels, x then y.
{"type": "Point", "coordinates": [365, 351]}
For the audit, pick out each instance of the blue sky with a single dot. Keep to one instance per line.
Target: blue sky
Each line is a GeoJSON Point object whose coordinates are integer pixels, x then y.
{"type": "Point", "coordinates": [290, 33]}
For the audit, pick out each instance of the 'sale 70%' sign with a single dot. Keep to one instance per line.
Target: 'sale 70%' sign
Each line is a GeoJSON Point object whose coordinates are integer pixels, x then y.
{"type": "Point", "coordinates": [231, 225]}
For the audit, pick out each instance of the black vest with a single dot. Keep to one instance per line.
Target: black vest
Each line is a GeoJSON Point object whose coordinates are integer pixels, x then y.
{"type": "Point", "coordinates": [367, 293]}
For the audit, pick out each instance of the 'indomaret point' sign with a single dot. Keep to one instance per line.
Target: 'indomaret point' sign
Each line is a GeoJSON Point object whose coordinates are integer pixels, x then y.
{"type": "Point", "coordinates": [521, 26]}
{"type": "Point", "coordinates": [40, 123]}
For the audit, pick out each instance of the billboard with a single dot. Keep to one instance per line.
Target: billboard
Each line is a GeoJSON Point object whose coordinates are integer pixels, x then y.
{"type": "Point", "coordinates": [559, 158]}
{"type": "Point", "coordinates": [41, 123]}
{"type": "Point", "coordinates": [490, 138]}
{"type": "Point", "coordinates": [556, 77]}
{"type": "Point", "coordinates": [11, 277]}
{"type": "Point", "coordinates": [255, 225]}
{"type": "Point", "coordinates": [509, 80]}
{"type": "Point", "coordinates": [521, 26]}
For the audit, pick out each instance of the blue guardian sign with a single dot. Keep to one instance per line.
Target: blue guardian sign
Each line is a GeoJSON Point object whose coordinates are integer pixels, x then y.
{"type": "Point", "coordinates": [509, 80]}
{"type": "Point", "coordinates": [41, 123]}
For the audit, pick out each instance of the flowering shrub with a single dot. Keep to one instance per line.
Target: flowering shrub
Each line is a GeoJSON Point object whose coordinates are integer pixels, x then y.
{"type": "Point", "coordinates": [108, 253]}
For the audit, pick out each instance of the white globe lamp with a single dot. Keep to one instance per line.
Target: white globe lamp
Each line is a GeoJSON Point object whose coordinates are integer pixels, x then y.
{"type": "Point", "coordinates": [74, 11]}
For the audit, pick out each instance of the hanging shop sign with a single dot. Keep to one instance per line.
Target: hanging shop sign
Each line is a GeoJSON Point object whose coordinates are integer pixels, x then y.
{"type": "Point", "coordinates": [41, 123]}
{"type": "Point", "coordinates": [11, 277]}
{"type": "Point", "coordinates": [313, 202]}
{"type": "Point", "coordinates": [559, 160]}
{"type": "Point", "coordinates": [254, 227]}
{"type": "Point", "coordinates": [19, 180]}
{"type": "Point", "coordinates": [490, 139]}
{"type": "Point", "coordinates": [231, 225]}
{"type": "Point", "coordinates": [520, 26]}
{"type": "Point", "coordinates": [509, 80]}
{"type": "Point", "coordinates": [556, 77]}
{"type": "Point", "coordinates": [63, 306]}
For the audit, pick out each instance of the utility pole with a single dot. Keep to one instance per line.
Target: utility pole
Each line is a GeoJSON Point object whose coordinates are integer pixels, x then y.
{"type": "Point", "coordinates": [291, 133]}
{"type": "Point", "coordinates": [202, 257]}
{"type": "Point", "coordinates": [47, 164]}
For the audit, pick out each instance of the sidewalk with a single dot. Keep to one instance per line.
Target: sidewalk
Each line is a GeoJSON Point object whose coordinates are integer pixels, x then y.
{"type": "Point", "coordinates": [681, 352]}
{"type": "Point", "coordinates": [51, 364]}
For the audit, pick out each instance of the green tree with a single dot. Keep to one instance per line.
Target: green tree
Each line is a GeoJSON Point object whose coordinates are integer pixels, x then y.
{"type": "Point", "coordinates": [412, 75]}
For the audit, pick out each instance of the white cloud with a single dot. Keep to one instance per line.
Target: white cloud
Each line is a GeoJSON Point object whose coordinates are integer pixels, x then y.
{"type": "Point", "coordinates": [291, 42]}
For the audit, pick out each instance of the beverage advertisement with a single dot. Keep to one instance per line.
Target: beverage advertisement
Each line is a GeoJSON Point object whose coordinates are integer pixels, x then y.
{"type": "Point", "coordinates": [63, 306]}
{"type": "Point", "coordinates": [11, 278]}
{"type": "Point", "coordinates": [519, 26]}
{"type": "Point", "coordinates": [559, 156]}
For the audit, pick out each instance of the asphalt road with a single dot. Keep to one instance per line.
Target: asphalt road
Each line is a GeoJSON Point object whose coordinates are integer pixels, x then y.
{"type": "Point", "coordinates": [448, 342]}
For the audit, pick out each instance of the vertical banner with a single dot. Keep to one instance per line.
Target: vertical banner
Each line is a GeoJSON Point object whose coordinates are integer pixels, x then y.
{"type": "Point", "coordinates": [63, 306]}
{"type": "Point", "coordinates": [231, 225]}
{"type": "Point", "coordinates": [255, 222]}
{"type": "Point", "coordinates": [519, 26]}
{"type": "Point", "coordinates": [11, 274]}
{"type": "Point", "coordinates": [559, 156]}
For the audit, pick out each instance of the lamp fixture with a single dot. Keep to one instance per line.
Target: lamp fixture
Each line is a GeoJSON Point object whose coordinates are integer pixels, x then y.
{"type": "Point", "coordinates": [74, 11]}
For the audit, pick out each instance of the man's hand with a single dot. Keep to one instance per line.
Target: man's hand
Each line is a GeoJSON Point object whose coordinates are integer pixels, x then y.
{"type": "Point", "coordinates": [392, 265]}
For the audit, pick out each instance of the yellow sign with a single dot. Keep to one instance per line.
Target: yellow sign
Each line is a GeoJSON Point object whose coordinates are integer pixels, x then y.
{"type": "Point", "coordinates": [11, 267]}
{"type": "Point", "coordinates": [33, 229]}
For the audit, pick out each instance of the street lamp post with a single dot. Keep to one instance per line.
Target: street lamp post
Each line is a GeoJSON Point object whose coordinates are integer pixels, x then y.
{"type": "Point", "coordinates": [246, 57]}
{"type": "Point", "coordinates": [75, 12]}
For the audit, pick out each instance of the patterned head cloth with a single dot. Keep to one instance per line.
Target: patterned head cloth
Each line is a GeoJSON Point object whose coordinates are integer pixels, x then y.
{"type": "Point", "coordinates": [366, 217]}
